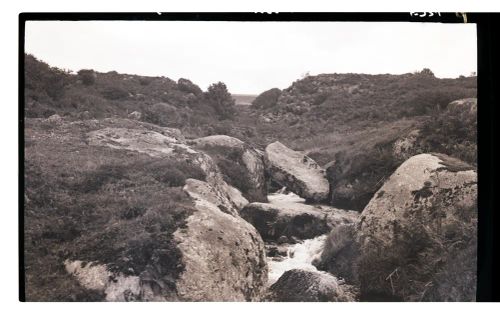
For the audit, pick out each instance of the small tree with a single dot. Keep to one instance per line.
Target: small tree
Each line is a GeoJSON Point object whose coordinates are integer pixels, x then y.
{"type": "Point", "coordinates": [87, 77]}
{"type": "Point", "coordinates": [427, 71]}
{"type": "Point", "coordinates": [221, 100]}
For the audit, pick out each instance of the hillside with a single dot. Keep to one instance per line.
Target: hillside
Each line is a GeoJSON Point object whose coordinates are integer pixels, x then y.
{"type": "Point", "coordinates": [148, 189]}
{"type": "Point", "coordinates": [90, 94]}
{"type": "Point", "coordinates": [350, 122]}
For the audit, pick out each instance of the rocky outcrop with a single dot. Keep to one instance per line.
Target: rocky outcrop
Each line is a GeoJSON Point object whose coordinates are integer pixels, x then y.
{"type": "Point", "coordinates": [212, 254]}
{"type": "Point", "coordinates": [298, 285]}
{"type": "Point", "coordinates": [296, 171]}
{"type": "Point", "coordinates": [224, 256]}
{"type": "Point", "coordinates": [243, 165]}
{"type": "Point", "coordinates": [168, 143]}
{"type": "Point", "coordinates": [414, 227]}
{"type": "Point", "coordinates": [284, 221]}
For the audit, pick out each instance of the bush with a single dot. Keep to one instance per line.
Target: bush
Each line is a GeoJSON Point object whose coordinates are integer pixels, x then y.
{"type": "Point", "coordinates": [114, 93]}
{"type": "Point", "coordinates": [187, 86]}
{"type": "Point", "coordinates": [162, 114]}
{"type": "Point", "coordinates": [451, 132]}
{"type": "Point", "coordinates": [267, 99]}
{"type": "Point", "coordinates": [43, 80]}
{"type": "Point", "coordinates": [221, 100]}
{"type": "Point", "coordinates": [87, 77]}
{"type": "Point", "coordinates": [235, 174]}
{"type": "Point", "coordinates": [174, 173]}
{"type": "Point", "coordinates": [94, 180]}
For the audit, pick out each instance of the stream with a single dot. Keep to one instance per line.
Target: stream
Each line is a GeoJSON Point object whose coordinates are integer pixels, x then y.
{"type": "Point", "coordinates": [299, 255]}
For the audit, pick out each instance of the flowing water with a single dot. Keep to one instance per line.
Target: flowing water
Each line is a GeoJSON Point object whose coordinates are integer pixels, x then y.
{"type": "Point", "coordinates": [300, 255]}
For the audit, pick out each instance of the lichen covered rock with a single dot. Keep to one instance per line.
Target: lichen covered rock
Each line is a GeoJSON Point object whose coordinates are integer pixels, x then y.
{"type": "Point", "coordinates": [413, 228]}
{"type": "Point", "coordinates": [296, 171]}
{"type": "Point", "coordinates": [224, 256]}
{"type": "Point", "coordinates": [298, 285]}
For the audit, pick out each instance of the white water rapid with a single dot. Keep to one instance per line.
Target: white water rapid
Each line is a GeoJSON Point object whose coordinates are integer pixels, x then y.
{"type": "Point", "coordinates": [300, 255]}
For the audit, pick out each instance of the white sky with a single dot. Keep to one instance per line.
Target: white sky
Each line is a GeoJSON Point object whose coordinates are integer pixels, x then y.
{"type": "Point", "coordinates": [251, 57]}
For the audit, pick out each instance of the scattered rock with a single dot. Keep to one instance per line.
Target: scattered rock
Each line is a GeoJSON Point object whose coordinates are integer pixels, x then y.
{"type": "Point", "coordinates": [296, 171]}
{"type": "Point", "coordinates": [276, 250]}
{"type": "Point", "coordinates": [298, 285]}
{"type": "Point", "coordinates": [54, 119]}
{"type": "Point", "coordinates": [412, 229]}
{"type": "Point", "coordinates": [135, 115]}
{"type": "Point", "coordinates": [116, 286]}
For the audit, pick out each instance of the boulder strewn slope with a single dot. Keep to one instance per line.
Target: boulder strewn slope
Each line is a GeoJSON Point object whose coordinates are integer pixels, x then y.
{"type": "Point", "coordinates": [121, 210]}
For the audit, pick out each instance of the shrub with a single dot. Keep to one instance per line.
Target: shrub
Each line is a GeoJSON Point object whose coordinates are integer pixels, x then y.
{"type": "Point", "coordinates": [451, 132]}
{"type": "Point", "coordinates": [221, 100]}
{"type": "Point", "coordinates": [174, 173]}
{"type": "Point", "coordinates": [114, 93]}
{"type": "Point", "coordinates": [235, 174]}
{"type": "Point", "coordinates": [144, 81]}
{"type": "Point", "coordinates": [42, 79]}
{"type": "Point", "coordinates": [186, 85]}
{"type": "Point", "coordinates": [131, 212]}
{"type": "Point", "coordinates": [94, 180]}
{"type": "Point", "coordinates": [87, 77]}
{"type": "Point", "coordinates": [267, 99]}
{"type": "Point", "coordinates": [162, 114]}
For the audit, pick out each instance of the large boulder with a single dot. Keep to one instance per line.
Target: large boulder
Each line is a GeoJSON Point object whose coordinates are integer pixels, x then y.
{"type": "Point", "coordinates": [296, 171]}
{"type": "Point", "coordinates": [224, 256]}
{"type": "Point", "coordinates": [278, 220]}
{"type": "Point", "coordinates": [419, 232]}
{"type": "Point", "coordinates": [298, 285]}
{"type": "Point", "coordinates": [242, 165]}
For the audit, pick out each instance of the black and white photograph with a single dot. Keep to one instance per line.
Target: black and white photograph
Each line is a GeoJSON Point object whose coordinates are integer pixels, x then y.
{"type": "Point", "coordinates": [249, 161]}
